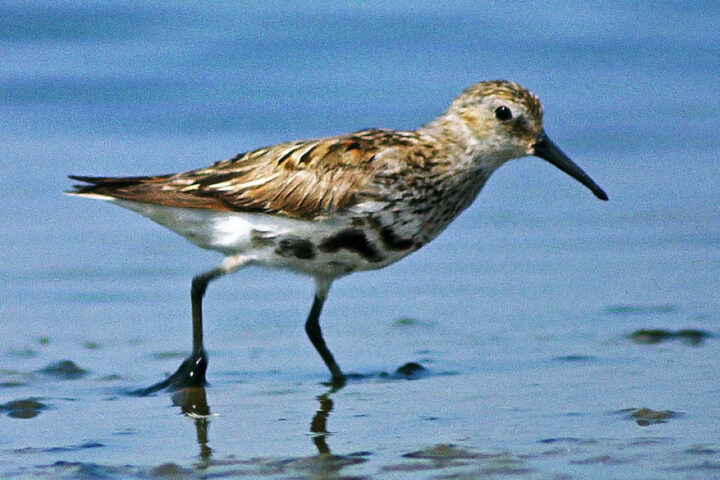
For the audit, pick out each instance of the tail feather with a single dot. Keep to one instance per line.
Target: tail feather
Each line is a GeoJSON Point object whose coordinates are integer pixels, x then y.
{"type": "Point", "coordinates": [105, 185]}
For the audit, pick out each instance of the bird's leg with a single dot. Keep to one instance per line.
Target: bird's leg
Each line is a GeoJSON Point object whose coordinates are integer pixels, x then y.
{"type": "Point", "coordinates": [312, 327]}
{"type": "Point", "coordinates": [191, 372]}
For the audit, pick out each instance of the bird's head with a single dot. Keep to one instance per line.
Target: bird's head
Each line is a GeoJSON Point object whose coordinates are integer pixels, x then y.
{"type": "Point", "coordinates": [504, 121]}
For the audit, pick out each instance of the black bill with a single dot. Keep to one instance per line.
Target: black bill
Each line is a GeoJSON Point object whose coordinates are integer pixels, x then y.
{"type": "Point", "coordinates": [547, 150]}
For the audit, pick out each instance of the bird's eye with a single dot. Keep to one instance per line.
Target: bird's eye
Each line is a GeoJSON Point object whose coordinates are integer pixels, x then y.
{"type": "Point", "coordinates": [503, 113]}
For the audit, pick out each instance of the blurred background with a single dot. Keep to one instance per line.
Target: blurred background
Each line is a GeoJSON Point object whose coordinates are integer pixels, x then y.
{"type": "Point", "coordinates": [630, 92]}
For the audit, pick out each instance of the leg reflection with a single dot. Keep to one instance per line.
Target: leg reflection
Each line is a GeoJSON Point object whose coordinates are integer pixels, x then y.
{"type": "Point", "coordinates": [193, 403]}
{"type": "Point", "coordinates": [318, 425]}
{"type": "Point", "coordinates": [326, 465]}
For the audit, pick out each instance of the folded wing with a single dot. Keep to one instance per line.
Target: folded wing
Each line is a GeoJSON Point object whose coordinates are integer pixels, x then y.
{"type": "Point", "coordinates": [303, 179]}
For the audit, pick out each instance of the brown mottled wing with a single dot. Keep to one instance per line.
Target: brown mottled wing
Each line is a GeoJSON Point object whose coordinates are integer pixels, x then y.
{"type": "Point", "coordinates": [304, 179]}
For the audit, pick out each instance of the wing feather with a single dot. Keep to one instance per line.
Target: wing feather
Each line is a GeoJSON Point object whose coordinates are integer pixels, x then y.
{"type": "Point", "coordinates": [302, 179]}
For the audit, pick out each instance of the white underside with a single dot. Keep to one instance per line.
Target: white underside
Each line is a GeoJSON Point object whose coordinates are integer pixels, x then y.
{"type": "Point", "coordinates": [226, 232]}
{"type": "Point", "coordinates": [234, 234]}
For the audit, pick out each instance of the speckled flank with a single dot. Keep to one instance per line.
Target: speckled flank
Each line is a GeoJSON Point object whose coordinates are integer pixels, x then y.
{"type": "Point", "coordinates": [292, 246]}
{"type": "Point", "coordinates": [352, 240]}
{"type": "Point", "coordinates": [392, 242]}
{"type": "Point", "coordinates": [260, 239]}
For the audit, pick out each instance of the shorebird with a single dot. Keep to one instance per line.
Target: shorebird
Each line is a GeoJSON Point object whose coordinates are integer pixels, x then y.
{"type": "Point", "coordinates": [337, 205]}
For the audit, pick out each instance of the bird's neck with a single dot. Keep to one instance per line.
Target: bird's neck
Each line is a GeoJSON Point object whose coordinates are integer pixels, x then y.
{"type": "Point", "coordinates": [464, 149]}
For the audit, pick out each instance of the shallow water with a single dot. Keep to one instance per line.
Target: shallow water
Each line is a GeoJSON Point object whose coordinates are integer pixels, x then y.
{"type": "Point", "coordinates": [562, 337]}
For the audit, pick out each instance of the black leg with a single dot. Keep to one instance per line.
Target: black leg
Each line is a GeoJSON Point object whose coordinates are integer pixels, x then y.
{"type": "Point", "coordinates": [192, 371]}
{"type": "Point", "coordinates": [312, 327]}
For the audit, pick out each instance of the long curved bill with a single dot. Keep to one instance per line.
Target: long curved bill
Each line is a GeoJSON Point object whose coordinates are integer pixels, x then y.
{"type": "Point", "coordinates": [547, 150]}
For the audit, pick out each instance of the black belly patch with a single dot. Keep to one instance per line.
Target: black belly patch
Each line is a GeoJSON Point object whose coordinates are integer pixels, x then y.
{"type": "Point", "coordinates": [392, 242]}
{"type": "Point", "coordinates": [295, 247]}
{"type": "Point", "coordinates": [352, 240]}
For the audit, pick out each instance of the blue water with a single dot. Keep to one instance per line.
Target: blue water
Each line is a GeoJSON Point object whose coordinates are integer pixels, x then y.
{"type": "Point", "coordinates": [522, 307]}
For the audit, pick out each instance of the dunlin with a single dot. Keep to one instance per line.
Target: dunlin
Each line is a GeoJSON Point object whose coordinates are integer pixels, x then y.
{"type": "Point", "coordinates": [337, 205]}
